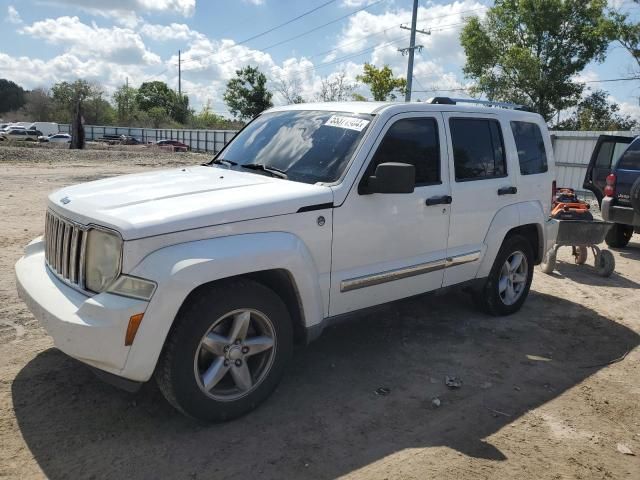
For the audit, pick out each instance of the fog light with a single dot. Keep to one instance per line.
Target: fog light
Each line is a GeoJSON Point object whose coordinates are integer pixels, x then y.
{"type": "Point", "coordinates": [132, 328]}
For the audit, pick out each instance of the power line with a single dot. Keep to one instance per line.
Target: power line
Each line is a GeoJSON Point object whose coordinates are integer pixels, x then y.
{"type": "Point", "coordinates": [285, 23]}
{"type": "Point", "coordinates": [295, 37]}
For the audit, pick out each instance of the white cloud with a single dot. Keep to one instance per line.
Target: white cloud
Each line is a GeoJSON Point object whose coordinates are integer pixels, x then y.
{"type": "Point", "coordinates": [115, 44]}
{"type": "Point", "coordinates": [31, 73]}
{"type": "Point", "coordinates": [13, 16]}
{"type": "Point", "coordinates": [117, 7]}
{"type": "Point", "coordinates": [356, 3]}
{"type": "Point", "coordinates": [174, 31]}
{"type": "Point", "coordinates": [255, 2]}
{"type": "Point", "coordinates": [631, 109]}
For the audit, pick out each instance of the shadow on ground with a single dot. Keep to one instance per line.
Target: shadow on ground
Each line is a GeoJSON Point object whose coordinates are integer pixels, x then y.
{"type": "Point", "coordinates": [325, 419]}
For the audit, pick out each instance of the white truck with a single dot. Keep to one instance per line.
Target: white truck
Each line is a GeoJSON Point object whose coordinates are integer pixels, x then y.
{"type": "Point", "coordinates": [205, 277]}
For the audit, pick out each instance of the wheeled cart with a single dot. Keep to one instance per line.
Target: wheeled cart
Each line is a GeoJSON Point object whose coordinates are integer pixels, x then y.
{"type": "Point", "coordinates": [582, 235]}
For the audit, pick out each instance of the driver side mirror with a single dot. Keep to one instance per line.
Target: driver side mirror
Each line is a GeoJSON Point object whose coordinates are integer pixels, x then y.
{"type": "Point", "coordinates": [392, 177]}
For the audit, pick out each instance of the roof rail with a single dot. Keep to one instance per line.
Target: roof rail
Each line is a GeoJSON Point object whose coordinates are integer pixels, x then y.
{"type": "Point", "coordinates": [488, 103]}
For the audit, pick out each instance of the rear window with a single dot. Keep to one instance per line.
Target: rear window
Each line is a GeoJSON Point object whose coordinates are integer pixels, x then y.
{"type": "Point", "coordinates": [478, 149]}
{"type": "Point", "coordinates": [530, 145]}
{"type": "Point", "coordinates": [630, 159]}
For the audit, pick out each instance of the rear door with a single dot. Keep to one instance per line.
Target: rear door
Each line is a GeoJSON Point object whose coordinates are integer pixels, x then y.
{"type": "Point", "coordinates": [607, 151]}
{"type": "Point", "coordinates": [481, 184]}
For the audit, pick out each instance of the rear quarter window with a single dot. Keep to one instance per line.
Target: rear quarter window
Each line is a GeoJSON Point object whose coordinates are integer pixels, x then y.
{"type": "Point", "coordinates": [532, 155]}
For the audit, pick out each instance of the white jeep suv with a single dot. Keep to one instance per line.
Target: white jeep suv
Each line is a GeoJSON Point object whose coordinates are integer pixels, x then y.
{"type": "Point", "coordinates": [206, 276]}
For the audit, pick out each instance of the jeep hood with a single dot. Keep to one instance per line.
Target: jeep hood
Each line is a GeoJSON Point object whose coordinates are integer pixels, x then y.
{"type": "Point", "coordinates": [153, 203]}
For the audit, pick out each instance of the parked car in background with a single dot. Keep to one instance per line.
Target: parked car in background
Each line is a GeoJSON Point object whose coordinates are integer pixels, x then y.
{"type": "Point", "coordinates": [13, 126]}
{"type": "Point", "coordinates": [20, 134]}
{"type": "Point", "coordinates": [613, 175]}
{"type": "Point", "coordinates": [47, 128]}
{"type": "Point", "coordinates": [206, 276]}
{"type": "Point", "coordinates": [173, 143]}
{"type": "Point", "coordinates": [57, 138]}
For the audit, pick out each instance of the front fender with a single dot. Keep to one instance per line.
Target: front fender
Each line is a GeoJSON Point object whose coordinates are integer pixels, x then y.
{"type": "Point", "coordinates": [179, 269]}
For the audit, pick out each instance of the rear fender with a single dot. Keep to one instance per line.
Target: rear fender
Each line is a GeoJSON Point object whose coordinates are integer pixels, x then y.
{"type": "Point", "coordinates": [505, 219]}
{"type": "Point", "coordinates": [179, 269]}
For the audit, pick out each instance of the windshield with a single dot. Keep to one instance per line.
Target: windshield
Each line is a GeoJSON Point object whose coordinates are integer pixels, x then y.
{"type": "Point", "coordinates": [307, 146]}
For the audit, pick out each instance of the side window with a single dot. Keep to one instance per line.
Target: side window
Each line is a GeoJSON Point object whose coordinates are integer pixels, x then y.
{"type": "Point", "coordinates": [478, 149]}
{"type": "Point", "coordinates": [530, 145]}
{"type": "Point", "coordinates": [604, 155]}
{"type": "Point", "coordinates": [630, 159]}
{"type": "Point", "coordinates": [413, 141]}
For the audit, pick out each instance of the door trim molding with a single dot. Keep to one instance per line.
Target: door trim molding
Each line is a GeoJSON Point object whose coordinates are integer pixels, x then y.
{"type": "Point", "coordinates": [462, 259]}
{"type": "Point", "coordinates": [405, 272]}
{"type": "Point", "coordinates": [391, 275]}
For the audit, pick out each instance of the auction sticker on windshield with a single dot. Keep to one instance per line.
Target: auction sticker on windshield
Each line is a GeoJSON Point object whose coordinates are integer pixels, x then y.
{"type": "Point", "coordinates": [351, 123]}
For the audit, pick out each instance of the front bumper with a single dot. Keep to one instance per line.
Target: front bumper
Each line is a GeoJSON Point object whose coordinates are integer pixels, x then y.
{"type": "Point", "coordinates": [618, 214]}
{"type": "Point", "coordinates": [90, 329]}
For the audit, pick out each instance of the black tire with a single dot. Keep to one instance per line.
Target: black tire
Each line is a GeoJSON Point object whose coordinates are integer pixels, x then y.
{"type": "Point", "coordinates": [605, 263]}
{"type": "Point", "coordinates": [548, 263]}
{"type": "Point", "coordinates": [175, 373]}
{"type": "Point", "coordinates": [488, 297]}
{"type": "Point", "coordinates": [619, 235]}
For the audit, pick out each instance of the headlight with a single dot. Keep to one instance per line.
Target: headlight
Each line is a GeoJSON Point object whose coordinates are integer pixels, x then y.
{"type": "Point", "coordinates": [102, 264]}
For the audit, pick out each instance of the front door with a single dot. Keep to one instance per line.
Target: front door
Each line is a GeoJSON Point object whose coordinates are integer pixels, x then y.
{"type": "Point", "coordinates": [391, 246]}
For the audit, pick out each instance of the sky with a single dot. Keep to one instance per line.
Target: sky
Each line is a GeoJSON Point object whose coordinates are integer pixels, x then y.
{"type": "Point", "coordinates": [111, 42]}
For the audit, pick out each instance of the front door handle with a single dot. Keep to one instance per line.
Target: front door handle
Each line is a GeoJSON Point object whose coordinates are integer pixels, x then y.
{"type": "Point", "coordinates": [507, 191]}
{"type": "Point", "coordinates": [440, 200]}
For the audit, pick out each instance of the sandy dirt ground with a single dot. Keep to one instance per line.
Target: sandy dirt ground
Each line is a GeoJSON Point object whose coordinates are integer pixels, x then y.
{"type": "Point", "coordinates": [542, 397]}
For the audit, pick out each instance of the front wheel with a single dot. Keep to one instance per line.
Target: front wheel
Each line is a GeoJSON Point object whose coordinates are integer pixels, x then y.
{"type": "Point", "coordinates": [508, 283]}
{"type": "Point", "coordinates": [227, 351]}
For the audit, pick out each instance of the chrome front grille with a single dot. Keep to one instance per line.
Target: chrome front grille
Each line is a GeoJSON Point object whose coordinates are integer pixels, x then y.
{"type": "Point", "coordinates": [64, 248]}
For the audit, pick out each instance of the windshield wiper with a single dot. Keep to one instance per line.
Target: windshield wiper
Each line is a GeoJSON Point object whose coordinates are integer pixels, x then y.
{"type": "Point", "coordinates": [223, 161]}
{"type": "Point", "coordinates": [263, 168]}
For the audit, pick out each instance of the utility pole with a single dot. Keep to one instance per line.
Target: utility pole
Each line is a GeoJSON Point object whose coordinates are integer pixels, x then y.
{"type": "Point", "coordinates": [411, 49]}
{"type": "Point", "coordinates": [179, 75]}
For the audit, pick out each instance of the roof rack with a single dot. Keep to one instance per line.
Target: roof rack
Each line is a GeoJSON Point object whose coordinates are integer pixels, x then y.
{"type": "Point", "coordinates": [488, 103]}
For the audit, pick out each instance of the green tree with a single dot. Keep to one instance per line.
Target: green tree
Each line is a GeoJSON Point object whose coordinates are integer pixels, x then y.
{"type": "Point", "coordinates": [155, 94]}
{"type": "Point", "coordinates": [381, 82]}
{"type": "Point", "coordinates": [12, 96]}
{"type": "Point", "coordinates": [67, 95]}
{"type": "Point", "coordinates": [627, 33]}
{"type": "Point", "coordinates": [125, 99]}
{"type": "Point", "coordinates": [527, 51]}
{"type": "Point", "coordinates": [595, 112]}
{"type": "Point", "coordinates": [247, 94]}
{"type": "Point", "coordinates": [98, 111]}
{"type": "Point", "coordinates": [39, 106]}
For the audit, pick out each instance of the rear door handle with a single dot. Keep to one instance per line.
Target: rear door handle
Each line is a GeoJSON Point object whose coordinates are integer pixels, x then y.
{"type": "Point", "coordinates": [443, 199]}
{"type": "Point", "coordinates": [507, 191]}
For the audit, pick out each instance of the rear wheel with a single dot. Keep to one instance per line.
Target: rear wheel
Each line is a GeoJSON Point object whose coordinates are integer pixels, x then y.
{"type": "Point", "coordinates": [508, 283]}
{"type": "Point", "coordinates": [227, 351]}
{"type": "Point", "coordinates": [619, 235]}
